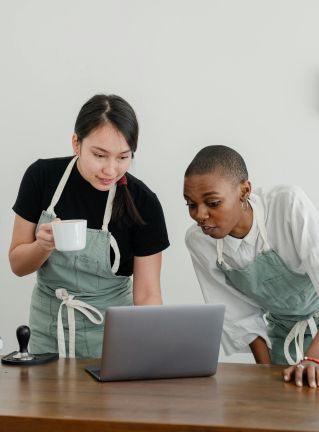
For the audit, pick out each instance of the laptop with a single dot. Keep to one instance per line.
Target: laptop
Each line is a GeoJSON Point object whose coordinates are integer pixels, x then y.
{"type": "Point", "coordinates": [166, 341]}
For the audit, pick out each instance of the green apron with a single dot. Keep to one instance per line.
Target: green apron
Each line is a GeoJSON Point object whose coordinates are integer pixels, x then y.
{"type": "Point", "coordinates": [73, 290]}
{"type": "Point", "coordinates": [290, 301]}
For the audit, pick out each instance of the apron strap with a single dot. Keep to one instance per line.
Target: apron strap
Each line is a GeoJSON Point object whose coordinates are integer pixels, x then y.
{"type": "Point", "coordinates": [106, 220]}
{"type": "Point", "coordinates": [109, 208]}
{"type": "Point", "coordinates": [61, 185]}
{"type": "Point", "coordinates": [297, 333]}
{"type": "Point", "coordinates": [261, 226]}
{"type": "Point", "coordinates": [117, 254]}
{"type": "Point", "coordinates": [72, 304]}
{"type": "Point", "coordinates": [220, 248]}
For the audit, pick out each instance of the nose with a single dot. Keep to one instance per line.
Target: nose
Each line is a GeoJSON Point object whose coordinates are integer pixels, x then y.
{"type": "Point", "coordinates": [110, 168]}
{"type": "Point", "coordinates": [202, 214]}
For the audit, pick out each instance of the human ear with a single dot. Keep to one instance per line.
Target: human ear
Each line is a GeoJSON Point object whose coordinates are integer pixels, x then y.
{"type": "Point", "coordinates": [245, 189]}
{"type": "Point", "coordinates": [76, 144]}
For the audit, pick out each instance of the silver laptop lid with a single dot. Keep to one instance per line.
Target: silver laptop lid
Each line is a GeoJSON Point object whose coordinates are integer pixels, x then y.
{"type": "Point", "coordinates": [148, 342]}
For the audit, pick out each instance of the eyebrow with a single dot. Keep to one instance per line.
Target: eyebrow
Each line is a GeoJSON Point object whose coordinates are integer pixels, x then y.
{"type": "Point", "coordinates": [210, 193]}
{"type": "Point", "coordinates": [105, 151]}
{"type": "Point", "coordinates": [204, 195]}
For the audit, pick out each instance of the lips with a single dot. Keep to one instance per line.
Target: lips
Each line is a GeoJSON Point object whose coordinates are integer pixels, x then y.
{"type": "Point", "coordinates": [105, 181]}
{"type": "Point", "coordinates": [207, 229]}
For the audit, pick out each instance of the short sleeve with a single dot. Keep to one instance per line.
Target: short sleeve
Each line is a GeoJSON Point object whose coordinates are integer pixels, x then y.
{"type": "Point", "coordinates": [152, 237]}
{"type": "Point", "coordinates": [28, 204]}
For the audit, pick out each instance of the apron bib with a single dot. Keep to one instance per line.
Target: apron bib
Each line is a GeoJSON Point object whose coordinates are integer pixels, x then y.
{"type": "Point", "coordinates": [73, 290]}
{"type": "Point", "coordinates": [289, 299]}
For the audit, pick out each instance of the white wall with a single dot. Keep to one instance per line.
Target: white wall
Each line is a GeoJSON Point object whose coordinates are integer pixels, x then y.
{"type": "Point", "coordinates": [244, 73]}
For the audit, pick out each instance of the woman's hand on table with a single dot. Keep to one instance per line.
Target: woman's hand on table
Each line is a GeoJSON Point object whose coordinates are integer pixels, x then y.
{"type": "Point", "coordinates": [305, 371]}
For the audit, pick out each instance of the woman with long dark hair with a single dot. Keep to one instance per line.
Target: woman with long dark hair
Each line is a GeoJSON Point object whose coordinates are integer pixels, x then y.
{"type": "Point", "coordinates": [125, 236]}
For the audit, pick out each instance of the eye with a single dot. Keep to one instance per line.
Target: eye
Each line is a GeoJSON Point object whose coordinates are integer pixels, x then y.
{"type": "Point", "coordinates": [213, 204]}
{"type": "Point", "coordinates": [190, 205]}
{"type": "Point", "coordinates": [123, 157]}
{"type": "Point", "coordinates": [98, 156]}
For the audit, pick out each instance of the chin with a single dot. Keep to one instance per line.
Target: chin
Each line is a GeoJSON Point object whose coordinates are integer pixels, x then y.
{"type": "Point", "coordinates": [102, 188]}
{"type": "Point", "coordinates": [217, 235]}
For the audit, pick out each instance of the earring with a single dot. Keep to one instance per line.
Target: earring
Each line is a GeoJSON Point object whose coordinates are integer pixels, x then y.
{"type": "Point", "coordinates": [244, 205]}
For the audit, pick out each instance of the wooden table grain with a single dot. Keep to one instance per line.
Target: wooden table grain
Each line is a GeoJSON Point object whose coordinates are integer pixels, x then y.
{"type": "Point", "coordinates": [61, 396]}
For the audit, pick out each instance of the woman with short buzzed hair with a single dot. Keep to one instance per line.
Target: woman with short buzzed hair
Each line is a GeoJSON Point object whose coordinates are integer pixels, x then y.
{"type": "Point", "coordinates": [258, 253]}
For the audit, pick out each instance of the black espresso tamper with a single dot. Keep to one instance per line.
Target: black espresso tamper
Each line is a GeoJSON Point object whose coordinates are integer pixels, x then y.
{"type": "Point", "coordinates": [23, 357]}
{"type": "Point", "coordinates": [23, 336]}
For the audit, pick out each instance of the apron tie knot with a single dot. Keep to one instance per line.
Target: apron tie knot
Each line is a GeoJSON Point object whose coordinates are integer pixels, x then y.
{"type": "Point", "coordinates": [71, 304]}
{"type": "Point", "coordinates": [297, 333]}
{"type": "Point", "coordinates": [62, 294]}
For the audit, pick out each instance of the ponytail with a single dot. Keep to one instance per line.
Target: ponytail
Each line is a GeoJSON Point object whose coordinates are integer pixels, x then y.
{"type": "Point", "coordinates": [123, 204]}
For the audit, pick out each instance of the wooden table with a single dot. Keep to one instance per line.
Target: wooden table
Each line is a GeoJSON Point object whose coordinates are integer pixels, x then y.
{"type": "Point", "coordinates": [61, 396]}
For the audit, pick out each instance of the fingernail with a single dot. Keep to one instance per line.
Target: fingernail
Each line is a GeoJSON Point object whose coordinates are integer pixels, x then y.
{"type": "Point", "coordinates": [286, 378]}
{"type": "Point", "coordinates": [299, 383]}
{"type": "Point", "coordinates": [313, 384]}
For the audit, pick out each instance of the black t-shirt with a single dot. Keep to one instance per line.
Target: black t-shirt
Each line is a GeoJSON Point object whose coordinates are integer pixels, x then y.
{"type": "Point", "coordinates": [80, 200]}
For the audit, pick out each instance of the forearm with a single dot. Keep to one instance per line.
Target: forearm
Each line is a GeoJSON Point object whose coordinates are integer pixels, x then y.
{"type": "Point", "coordinates": [146, 280]}
{"type": "Point", "coordinates": [148, 299]}
{"type": "Point", "coordinates": [27, 258]}
{"type": "Point", "coordinates": [260, 351]}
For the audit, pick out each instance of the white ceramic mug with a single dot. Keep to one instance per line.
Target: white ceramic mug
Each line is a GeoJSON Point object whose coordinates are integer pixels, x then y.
{"type": "Point", "coordinates": [69, 235]}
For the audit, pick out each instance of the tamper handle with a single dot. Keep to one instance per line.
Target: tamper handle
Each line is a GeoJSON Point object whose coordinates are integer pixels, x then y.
{"type": "Point", "coordinates": [23, 336]}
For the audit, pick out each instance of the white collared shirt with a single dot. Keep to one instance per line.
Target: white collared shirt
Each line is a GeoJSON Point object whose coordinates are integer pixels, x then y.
{"type": "Point", "coordinates": [292, 225]}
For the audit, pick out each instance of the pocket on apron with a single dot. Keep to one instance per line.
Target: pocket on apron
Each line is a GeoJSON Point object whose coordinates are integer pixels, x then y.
{"type": "Point", "coordinates": [284, 299]}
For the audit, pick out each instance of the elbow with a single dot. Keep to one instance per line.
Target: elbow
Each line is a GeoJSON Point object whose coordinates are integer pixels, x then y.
{"type": "Point", "coordinates": [15, 268]}
{"type": "Point", "coordinates": [19, 272]}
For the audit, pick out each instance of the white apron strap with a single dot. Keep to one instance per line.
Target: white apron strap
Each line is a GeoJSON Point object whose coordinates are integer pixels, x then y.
{"type": "Point", "coordinates": [220, 249]}
{"type": "Point", "coordinates": [297, 333]}
{"type": "Point", "coordinates": [106, 220]}
{"type": "Point", "coordinates": [261, 225]}
{"type": "Point", "coordinates": [109, 208]}
{"type": "Point", "coordinates": [117, 254]}
{"type": "Point", "coordinates": [61, 185]}
{"type": "Point", "coordinates": [72, 304]}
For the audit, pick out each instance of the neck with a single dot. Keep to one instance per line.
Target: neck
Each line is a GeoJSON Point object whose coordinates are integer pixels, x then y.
{"type": "Point", "coordinates": [243, 227]}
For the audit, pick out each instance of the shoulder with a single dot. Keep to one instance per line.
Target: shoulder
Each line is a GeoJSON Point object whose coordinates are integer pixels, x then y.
{"type": "Point", "coordinates": [50, 165]}
{"type": "Point", "coordinates": [279, 196]}
{"type": "Point", "coordinates": [43, 168]}
{"type": "Point", "coordinates": [44, 172]}
{"type": "Point", "coordinates": [143, 197]}
{"type": "Point", "coordinates": [286, 192]}
{"type": "Point", "coordinates": [138, 188]}
{"type": "Point", "coordinates": [151, 237]}
{"type": "Point", "coordinates": [37, 187]}
{"type": "Point", "coordinates": [282, 202]}
{"type": "Point", "coordinates": [146, 201]}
